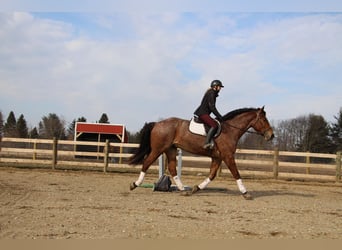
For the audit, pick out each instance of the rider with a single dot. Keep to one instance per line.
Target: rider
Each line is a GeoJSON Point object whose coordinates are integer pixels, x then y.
{"type": "Point", "coordinates": [208, 106]}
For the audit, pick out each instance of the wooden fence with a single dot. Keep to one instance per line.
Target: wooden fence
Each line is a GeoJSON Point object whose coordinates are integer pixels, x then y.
{"type": "Point", "coordinates": [106, 156]}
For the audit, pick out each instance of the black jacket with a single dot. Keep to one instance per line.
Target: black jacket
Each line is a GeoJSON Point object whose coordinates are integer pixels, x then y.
{"type": "Point", "coordinates": [208, 104]}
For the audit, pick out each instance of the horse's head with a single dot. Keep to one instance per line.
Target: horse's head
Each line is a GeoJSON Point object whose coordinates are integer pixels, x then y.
{"type": "Point", "coordinates": [261, 125]}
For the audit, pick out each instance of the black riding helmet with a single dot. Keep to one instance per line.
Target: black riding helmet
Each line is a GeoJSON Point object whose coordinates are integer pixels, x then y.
{"type": "Point", "coordinates": [216, 83]}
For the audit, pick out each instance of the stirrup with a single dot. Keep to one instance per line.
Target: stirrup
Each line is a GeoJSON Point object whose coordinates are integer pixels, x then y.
{"type": "Point", "coordinates": [209, 145]}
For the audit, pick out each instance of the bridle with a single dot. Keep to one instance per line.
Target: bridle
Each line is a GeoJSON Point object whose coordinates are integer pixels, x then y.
{"type": "Point", "coordinates": [251, 124]}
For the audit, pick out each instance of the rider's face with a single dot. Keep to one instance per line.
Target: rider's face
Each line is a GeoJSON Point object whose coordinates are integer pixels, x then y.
{"type": "Point", "coordinates": [217, 88]}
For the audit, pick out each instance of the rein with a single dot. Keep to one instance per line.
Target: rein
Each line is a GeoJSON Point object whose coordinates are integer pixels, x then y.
{"type": "Point", "coordinates": [245, 130]}
{"type": "Point", "coordinates": [249, 126]}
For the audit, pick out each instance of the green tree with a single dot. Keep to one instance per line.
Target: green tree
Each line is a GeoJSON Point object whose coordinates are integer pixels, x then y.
{"type": "Point", "coordinates": [22, 127]}
{"type": "Point", "coordinates": [104, 118]}
{"type": "Point", "coordinates": [336, 132]}
{"type": "Point", "coordinates": [52, 126]}
{"type": "Point", "coordinates": [71, 128]}
{"type": "Point", "coordinates": [316, 138]}
{"type": "Point", "coordinates": [134, 137]}
{"type": "Point", "coordinates": [10, 128]}
{"type": "Point", "coordinates": [34, 133]}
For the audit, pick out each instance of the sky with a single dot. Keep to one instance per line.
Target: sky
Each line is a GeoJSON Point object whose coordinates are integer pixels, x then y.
{"type": "Point", "coordinates": [139, 64]}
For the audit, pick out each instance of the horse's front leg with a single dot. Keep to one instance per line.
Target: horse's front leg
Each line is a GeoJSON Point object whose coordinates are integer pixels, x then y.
{"type": "Point", "coordinates": [215, 164]}
{"type": "Point", "coordinates": [230, 162]}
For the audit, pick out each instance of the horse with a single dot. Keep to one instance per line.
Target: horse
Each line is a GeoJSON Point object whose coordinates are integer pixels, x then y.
{"type": "Point", "coordinates": [167, 135]}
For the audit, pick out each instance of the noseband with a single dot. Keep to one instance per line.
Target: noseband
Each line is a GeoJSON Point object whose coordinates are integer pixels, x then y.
{"type": "Point", "coordinates": [259, 133]}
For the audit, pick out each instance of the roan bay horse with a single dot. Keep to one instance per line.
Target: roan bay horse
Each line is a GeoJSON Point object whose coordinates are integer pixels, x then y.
{"type": "Point", "coordinates": [167, 135]}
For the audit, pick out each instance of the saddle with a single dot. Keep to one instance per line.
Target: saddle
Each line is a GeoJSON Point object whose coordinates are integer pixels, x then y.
{"type": "Point", "coordinates": [199, 128]}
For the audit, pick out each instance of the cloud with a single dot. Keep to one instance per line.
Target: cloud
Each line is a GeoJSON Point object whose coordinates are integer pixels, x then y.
{"type": "Point", "coordinates": [142, 67]}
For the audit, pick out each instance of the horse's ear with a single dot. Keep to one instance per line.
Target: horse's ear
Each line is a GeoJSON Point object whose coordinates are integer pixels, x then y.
{"type": "Point", "coordinates": [263, 108]}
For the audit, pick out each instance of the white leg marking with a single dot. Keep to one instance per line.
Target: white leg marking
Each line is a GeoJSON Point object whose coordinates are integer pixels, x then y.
{"type": "Point", "coordinates": [178, 183]}
{"type": "Point", "coordinates": [204, 184]}
{"type": "Point", "coordinates": [241, 186]}
{"type": "Point", "coordinates": [140, 179]}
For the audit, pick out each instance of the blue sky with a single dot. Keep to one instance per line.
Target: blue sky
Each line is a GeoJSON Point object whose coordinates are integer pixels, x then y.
{"type": "Point", "coordinates": [139, 66]}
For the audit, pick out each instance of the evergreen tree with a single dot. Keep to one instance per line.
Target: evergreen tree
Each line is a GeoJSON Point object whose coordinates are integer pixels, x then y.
{"type": "Point", "coordinates": [82, 119]}
{"type": "Point", "coordinates": [52, 126]}
{"type": "Point", "coordinates": [34, 133]}
{"type": "Point", "coordinates": [22, 127]}
{"type": "Point", "coordinates": [316, 138]}
{"type": "Point", "coordinates": [71, 128]}
{"type": "Point", "coordinates": [134, 137]}
{"type": "Point", "coordinates": [104, 118]}
{"type": "Point", "coordinates": [336, 132]}
{"type": "Point", "coordinates": [10, 128]}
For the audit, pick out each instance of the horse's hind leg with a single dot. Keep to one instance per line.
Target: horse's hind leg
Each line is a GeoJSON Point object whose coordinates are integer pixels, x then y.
{"type": "Point", "coordinates": [147, 163]}
{"type": "Point", "coordinates": [171, 155]}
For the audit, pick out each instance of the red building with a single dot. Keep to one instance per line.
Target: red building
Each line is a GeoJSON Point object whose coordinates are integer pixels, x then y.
{"type": "Point", "coordinates": [100, 132]}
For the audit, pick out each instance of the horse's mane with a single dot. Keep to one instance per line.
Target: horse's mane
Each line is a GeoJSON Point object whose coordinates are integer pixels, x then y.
{"type": "Point", "coordinates": [230, 115]}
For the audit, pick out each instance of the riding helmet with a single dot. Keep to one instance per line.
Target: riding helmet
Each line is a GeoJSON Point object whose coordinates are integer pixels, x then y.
{"type": "Point", "coordinates": [216, 83]}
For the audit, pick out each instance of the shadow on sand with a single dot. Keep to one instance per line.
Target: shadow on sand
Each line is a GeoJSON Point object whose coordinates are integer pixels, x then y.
{"type": "Point", "coordinates": [255, 193]}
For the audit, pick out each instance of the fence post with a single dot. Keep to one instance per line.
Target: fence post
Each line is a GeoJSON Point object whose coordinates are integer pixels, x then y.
{"type": "Point", "coordinates": [179, 163]}
{"type": "Point", "coordinates": [276, 163]}
{"type": "Point", "coordinates": [106, 156]}
{"type": "Point", "coordinates": [307, 161]}
{"type": "Point", "coordinates": [54, 153]}
{"type": "Point", "coordinates": [161, 165]}
{"type": "Point", "coordinates": [121, 151]}
{"type": "Point", "coordinates": [34, 156]}
{"type": "Point", "coordinates": [338, 166]}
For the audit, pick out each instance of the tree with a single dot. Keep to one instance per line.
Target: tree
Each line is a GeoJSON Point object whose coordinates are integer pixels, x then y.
{"type": "Point", "coordinates": [34, 133]}
{"type": "Point", "coordinates": [22, 130]}
{"type": "Point", "coordinates": [71, 128]}
{"type": "Point", "coordinates": [336, 132]}
{"type": "Point", "coordinates": [52, 126]}
{"type": "Point", "coordinates": [290, 133]}
{"type": "Point", "coordinates": [10, 128]}
{"type": "Point", "coordinates": [134, 137]}
{"type": "Point", "coordinates": [1, 123]}
{"type": "Point", "coordinates": [104, 118]}
{"type": "Point", "coordinates": [254, 141]}
{"type": "Point", "coordinates": [1, 128]}
{"type": "Point", "coordinates": [316, 138]}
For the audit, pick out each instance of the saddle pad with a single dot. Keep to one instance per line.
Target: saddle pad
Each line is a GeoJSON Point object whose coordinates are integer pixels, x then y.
{"type": "Point", "coordinates": [197, 128]}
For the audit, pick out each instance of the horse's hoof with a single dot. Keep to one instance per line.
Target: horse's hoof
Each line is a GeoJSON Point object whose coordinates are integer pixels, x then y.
{"type": "Point", "coordinates": [247, 196]}
{"type": "Point", "coordinates": [195, 189]}
{"type": "Point", "coordinates": [132, 186]}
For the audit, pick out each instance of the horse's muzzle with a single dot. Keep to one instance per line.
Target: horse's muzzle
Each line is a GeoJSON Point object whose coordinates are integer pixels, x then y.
{"type": "Point", "coordinates": [268, 135]}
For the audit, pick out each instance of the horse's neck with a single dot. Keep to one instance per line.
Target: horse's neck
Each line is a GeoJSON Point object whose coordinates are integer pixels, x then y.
{"type": "Point", "coordinates": [242, 122]}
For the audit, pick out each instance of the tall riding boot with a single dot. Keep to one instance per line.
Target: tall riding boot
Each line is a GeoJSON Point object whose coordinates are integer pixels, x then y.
{"type": "Point", "coordinates": [209, 143]}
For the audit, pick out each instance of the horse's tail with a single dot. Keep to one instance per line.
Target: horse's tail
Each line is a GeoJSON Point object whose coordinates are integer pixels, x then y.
{"type": "Point", "coordinates": [145, 145]}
